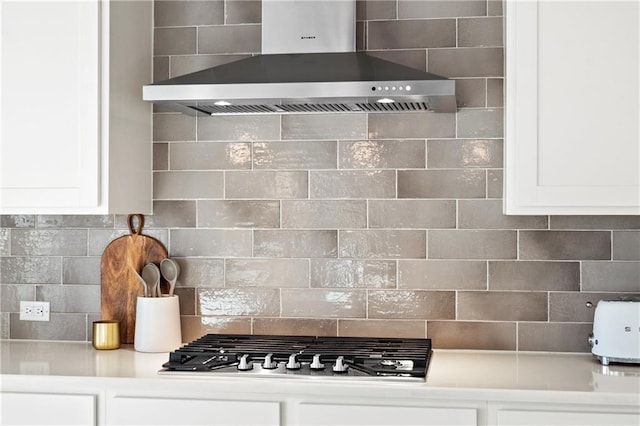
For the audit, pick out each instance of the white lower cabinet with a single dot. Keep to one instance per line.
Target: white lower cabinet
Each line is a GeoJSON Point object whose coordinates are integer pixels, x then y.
{"type": "Point", "coordinates": [563, 416]}
{"type": "Point", "coordinates": [18, 408]}
{"type": "Point", "coordinates": [378, 415]}
{"type": "Point", "coordinates": [128, 410]}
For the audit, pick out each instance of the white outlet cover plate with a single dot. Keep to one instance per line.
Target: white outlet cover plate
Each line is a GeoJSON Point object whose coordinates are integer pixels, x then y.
{"type": "Point", "coordinates": [34, 311]}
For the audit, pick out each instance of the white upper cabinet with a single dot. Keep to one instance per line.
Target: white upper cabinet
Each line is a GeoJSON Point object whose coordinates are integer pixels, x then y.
{"type": "Point", "coordinates": [572, 107]}
{"type": "Point", "coordinates": [75, 133]}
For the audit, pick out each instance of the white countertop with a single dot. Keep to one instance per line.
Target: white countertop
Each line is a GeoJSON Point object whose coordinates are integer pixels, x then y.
{"type": "Point", "coordinates": [465, 373]}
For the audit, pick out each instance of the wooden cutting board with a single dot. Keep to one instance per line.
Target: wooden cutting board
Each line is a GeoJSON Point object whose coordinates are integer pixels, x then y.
{"type": "Point", "coordinates": [120, 288]}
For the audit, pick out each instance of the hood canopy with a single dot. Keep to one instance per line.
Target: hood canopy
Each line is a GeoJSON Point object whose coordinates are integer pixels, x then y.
{"type": "Point", "coordinates": [309, 65]}
{"type": "Point", "coordinates": [309, 82]}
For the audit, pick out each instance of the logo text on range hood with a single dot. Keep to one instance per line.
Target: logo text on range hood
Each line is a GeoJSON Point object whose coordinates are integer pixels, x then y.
{"type": "Point", "coordinates": [302, 75]}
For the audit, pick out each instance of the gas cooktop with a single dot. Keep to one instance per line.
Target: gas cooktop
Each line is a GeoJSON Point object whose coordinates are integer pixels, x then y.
{"type": "Point", "coordinates": [303, 356]}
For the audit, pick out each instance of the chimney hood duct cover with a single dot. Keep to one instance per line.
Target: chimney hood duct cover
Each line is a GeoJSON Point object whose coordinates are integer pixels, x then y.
{"type": "Point", "coordinates": [329, 77]}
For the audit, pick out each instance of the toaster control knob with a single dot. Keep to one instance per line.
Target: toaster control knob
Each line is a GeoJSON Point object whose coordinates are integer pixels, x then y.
{"type": "Point", "coordinates": [316, 364]}
{"type": "Point", "coordinates": [592, 340]}
{"type": "Point", "coordinates": [269, 363]}
{"type": "Point", "coordinates": [245, 363]}
{"type": "Point", "coordinates": [293, 363]}
{"type": "Point", "coordinates": [340, 366]}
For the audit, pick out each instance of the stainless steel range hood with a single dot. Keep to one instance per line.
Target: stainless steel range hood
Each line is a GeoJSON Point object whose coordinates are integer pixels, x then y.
{"type": "Point", "coordinates": [310, 67]}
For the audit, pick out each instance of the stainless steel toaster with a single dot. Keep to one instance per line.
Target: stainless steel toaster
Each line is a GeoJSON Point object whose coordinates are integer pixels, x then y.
{"type": "Point", "coordinates": [616, 331]}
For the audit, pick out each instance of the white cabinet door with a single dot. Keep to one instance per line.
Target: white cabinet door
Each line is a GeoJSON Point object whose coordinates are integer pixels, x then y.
{"type": "Point", "coordinates": [75, 134]}
{"type": "Point", "coordinates": [49, 146]}
{"type": "Point", "coordinates": [179, 411]}
{"type": "Point", "coordinates": [573, 418]}
{"type": "Point", "coordinates": [47, 409]}
{"type": "Point", "coordinates": [312, 414]}
{"type": "Point", "coordinates": [572, 106]}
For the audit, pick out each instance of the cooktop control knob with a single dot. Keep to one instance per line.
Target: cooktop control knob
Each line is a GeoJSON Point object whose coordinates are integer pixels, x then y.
{"type": "Point", "coordinates": [245, 363]}
{"type": "Point", "coordinates": [340, 366]}
{"type": "Point", "coordinates": [269, 363]}
{"type": "Point", "coordinates": [316, 364]}
{"type": "Point", "coordinates": [293, 363]}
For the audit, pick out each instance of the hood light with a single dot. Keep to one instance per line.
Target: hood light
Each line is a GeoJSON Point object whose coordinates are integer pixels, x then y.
{"type": "Point", "coordinates": [385, 101]}
{"type": "Point", "coordinates": [222, 103]}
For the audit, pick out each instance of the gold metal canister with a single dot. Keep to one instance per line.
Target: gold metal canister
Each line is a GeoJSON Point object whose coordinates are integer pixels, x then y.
{"type": "Point", "coordinates": [106, 334]}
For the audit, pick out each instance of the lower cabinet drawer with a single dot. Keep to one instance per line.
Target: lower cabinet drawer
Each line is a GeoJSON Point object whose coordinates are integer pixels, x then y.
{"type": "Point", "coordinates": [573, 418]}
{"type": "Point", "coordinates": [376, 415]}
{"type": "Point", "coordinates": [176, 411]}
{"type": "Point", "coordinates": [18, 408]}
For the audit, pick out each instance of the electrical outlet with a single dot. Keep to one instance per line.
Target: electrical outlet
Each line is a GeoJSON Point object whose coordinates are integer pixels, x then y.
{"type": "Point", "coordinates": [34, 311]}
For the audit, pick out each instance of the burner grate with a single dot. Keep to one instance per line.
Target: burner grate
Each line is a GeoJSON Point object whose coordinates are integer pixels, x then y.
{"type": "Point", "coordinates": [395, 357]}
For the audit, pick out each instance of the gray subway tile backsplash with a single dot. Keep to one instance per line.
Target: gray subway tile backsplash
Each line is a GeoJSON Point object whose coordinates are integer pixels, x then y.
{"type": "Point", "coordinates": [611, 276]}
{"type": "Point", "coordinates": [487, 214]}
{"type": "Point", "coordinates": [70, 298]}
{"type": "Point", "coordinates": [175, 41]}
{"type": "Point", "coordinates": [467, 62]}
{"type": "Point", "coordinates": [323, 214]}
{"type": "Point", "coordinates": [471, 92]}
{"type": "Point", "coordinates": [180, 185]}
{"type": "Point", "coordinates": [464, 153]}
{"type": "Point", "coordinates": [169, 13]}
{"type": "Point", "coordinates": [243, 11]}
{"type": "Point", "coordinates": [238, 214]}
{"type": "Point", "coordinates": [352, 184]}
{"type": "Point", "coordinates": [31, 270]}
{"type": "Point", "coordinates": [480, 123]}
{"type": "Point", "coordinates": [411, 304]}
{"type": "Point", "coordinates": [411, 126]}
{"type": "Point", "coordinates": [557, 337]}
{"type": "Point", "coordinates": [239, 128]}
{"type": "Point", "coordinates": [278, 273]}
{"type": "Point", "coordinates": [229, 39]}
{"type": "Point", "coordinates": [381, 154]}
{"type": "Point", "coordinates": [350, 273]}
{"type": "Point", "coordinates": [441, 184]}
{"type": "Point", "coordinates": [421, 214]}
{"type": "Point", "coordinates": [81, 270]}
{"type": "Point", "coordinates": [565, 245]}
{"type": "Point", "coordinates": [295, 155]}
{"type": "Point", "coordinates": [409, 34]}
{"type": "Point", "coordinates": [442, 274]}
{"type": "Point", "coordinates": [383, 244]}
{"type": "Point", "coordinates": [210, 242]}
{"type": "Point", "coordinates": [173, 127]}
{"type": "Point", "coordinates": [514, 306]}
{"type": "Point", "coordinates": [338, 224]}
{"type": "Point", "coordinates": [534, 275]}
{"type": "Point", "coordinates": [209, 156]}
{"type": "Point", "coordinates": [238, 301]}
{"type": "Point", "coordinates": [323, 303]}
{"type": "Point", "coordinates": [441, 8]}
{"type": "Point", "coordinates": [295, 243]}
{"type": "Point", "coordinates": [381, 9]}
{"type": "Point", "coordinates": [295, 326]}
{"type": "Point", "coordinates": [412, 329]}
{"type": "Point", "coordinates": [324, 126]}
{"type": "Point", "coordinates": [491, 335]}
{"type": "Point", "coordinates": [480, 32]}
{"type": "Point", "coordinates": [472, 244]}
{"type": "Point", "coordinates": [4, 242]}
{"type": "Point", "coordinates": [266, 184]}
{"type": "Point", "coordinates": [626, 245]}
{"type": "Point", "coordinates": [49, 242]}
